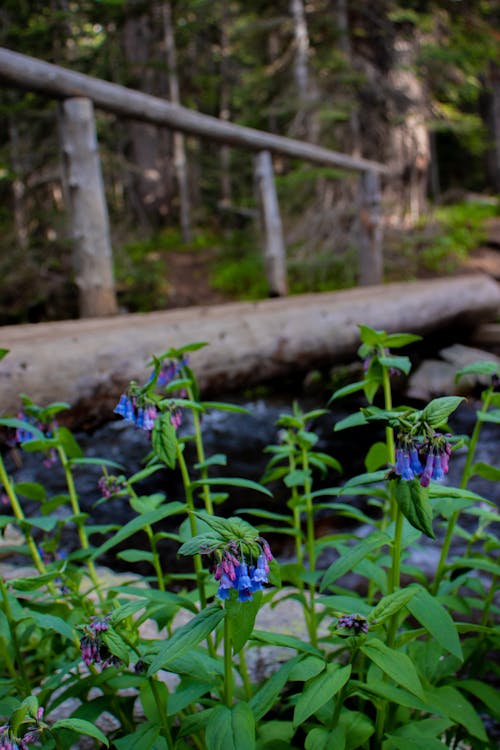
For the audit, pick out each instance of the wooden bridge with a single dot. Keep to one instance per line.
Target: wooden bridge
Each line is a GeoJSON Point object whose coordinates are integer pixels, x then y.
{"type": "Point", "coordinates": [87, 208]}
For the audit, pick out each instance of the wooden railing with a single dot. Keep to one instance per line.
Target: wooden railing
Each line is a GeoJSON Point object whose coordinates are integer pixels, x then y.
{"type": "Point", "coordinates": [90, 224]}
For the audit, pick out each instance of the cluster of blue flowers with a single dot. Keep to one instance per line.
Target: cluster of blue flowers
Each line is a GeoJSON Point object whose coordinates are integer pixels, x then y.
{"type": "Point", "coordinates": [23, 435]}
{"type": "Point", "coordinates": [425, 461]}
{"type": "Point", "coordinates": [233, 572]}
{"type": "Point", "coordinates": [135, 406]}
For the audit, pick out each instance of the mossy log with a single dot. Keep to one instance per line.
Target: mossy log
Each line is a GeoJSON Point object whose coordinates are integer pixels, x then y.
{"type": "Point", "coordinates": [88, 363]}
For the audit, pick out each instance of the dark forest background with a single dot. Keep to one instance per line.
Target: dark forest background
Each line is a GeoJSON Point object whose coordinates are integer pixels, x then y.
{"type": "Point", "coordinates": [415, 85]}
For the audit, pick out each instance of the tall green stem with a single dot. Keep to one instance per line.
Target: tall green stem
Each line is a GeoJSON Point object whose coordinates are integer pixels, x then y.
{"type": "Point", "coordinates": [200, 452]}
{"type": "Point", "coordinates": [75, 507]}
{"type": "Point", "coordinates": [162, 713]}
{"type": "Point", "coordinates": [15, 643]}
{"type": "Point", "coordinates": [228, 664]}
{"type": "Point", "coordinates": [198, 567]}
{"type": "Point", "coordinates": [466, 473]}
{"type": "Point", "coordinates": [311, 549]}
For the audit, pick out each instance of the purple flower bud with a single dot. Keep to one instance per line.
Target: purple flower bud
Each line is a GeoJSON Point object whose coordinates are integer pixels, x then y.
{"type": "Point", "coordinates": [428, 471]}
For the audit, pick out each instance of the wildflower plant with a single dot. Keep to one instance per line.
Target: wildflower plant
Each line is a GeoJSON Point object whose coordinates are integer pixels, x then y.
{"type": "Point", "coordinates": [390, 656]}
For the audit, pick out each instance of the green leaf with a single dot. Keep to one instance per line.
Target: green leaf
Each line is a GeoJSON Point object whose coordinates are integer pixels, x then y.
{"type": "Point", "coordinates": [376, 457]}
{"type": "Point", "coordinates": [307, 668]}
{"type": "Point", "coordinates": [116, 645]}
{"type": "Point", "coordinates": [323, 739]}
{"type": "Point", "coordinates": [3, 353]}
{"type": "Point", "coordinates": [135, 555]}
{"type": "Point", "coordinates": [397, 363]}
{"type": "Point", "coordinates": [297, 478]}
{"type": "Point", "coordinates": [398, 340]}
{"type": "Point", "coordinates": [391, 604]}
{"type": "Point", "coordinates": [31, 490]}
{"type": "Point", "coordinates": [288, 641]}
{"type": "Point", "coordinates": [222, 406]}
{"type": "Point", "coordinates": [80, 726]}
{"type": "Point", "coordinates": [137, 524]}
{"type": "Point", "coordinates": [358, 728]}
{"type": "Point", "coordinates": [164, 440]}
{"type": "Point", "coordinates": [489, 416]}
{"type": "Point", "coordinates": [407, 743]}
{"type": "Point", "coordinates": [348, 389]}
{"type": "Point", "coordinates": [436, 620]}
{"type": "Point", "coordinates": [231, 728]}
{"type": "Point", "coordinates": [487, 694]}
{"type": "Point", "coordinates": [395, 664]}
{"type": "Point", "coordinates": [482, 367]}
{"type": "Point", "coordinates": [371, 336]}
{"type": "Point", "coordinates": [486, 471]}
{"type": "Point", "coordinates": [144, 737]}
{"type": "Point", "coordinates": [264, 699]}
{"type": "Point", "coordinates": [66, 438]}
{"type": "Point", "coordinates": [53, 623]}
{"type": "Point", "coordinates": [451, 703]}
{"type": "Point", "coordinates": [414, 504]}
{"type": "Point", "coordinates": [186, 637]}
{"type": "Point", "coordinates": [438, 410]}
{"type": "Point", "coordinates": [319, 690]}
{"type": "Point", "coordinates": [347, 561]}
{"type": "Point", "coordinates": [34, 582]}
{"type": "Point", "coordinates": [353, 420]}
{"type": "Point", "coordinates": [232, 482]}
{"type": "Point", "coordinates": [242, 619]}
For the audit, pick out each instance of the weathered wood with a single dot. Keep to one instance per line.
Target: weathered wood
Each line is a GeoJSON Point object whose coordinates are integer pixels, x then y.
{"type": "Point", "coordinates": [371, 263]}
{"type": "Point", "coordinates": [272, 229]}
{"type": "Point", "coordinates": [23, 71]}
{"type": "Point", "coordinates": [87, 363]}
{"type": "Point", "coordinates": [92, 254]}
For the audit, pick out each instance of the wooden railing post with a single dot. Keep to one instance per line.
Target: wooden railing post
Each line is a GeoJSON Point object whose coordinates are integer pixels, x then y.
{"type": "Point", "coordinates": [92, 254]}
{"type": "Point", "coordinates": [371, 264]}
{"type": "Point", "coordinates": [272, 229]}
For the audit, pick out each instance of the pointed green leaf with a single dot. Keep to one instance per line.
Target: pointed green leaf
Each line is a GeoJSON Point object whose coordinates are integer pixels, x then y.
{"type": "Point", "coordinates": [242, 619]}
{"type": "Point", "coordinates": [438, 410]}
{"type": "Point", "coordinates": [391, 604]}
{"type": "Point", "coordinates": [319, 690]}
{"type": "Point", "coordinates": [323, 739]}
{"type": "Point", "coordinates": [164, 440]}
{"type": "Point", "coordinates": [231, 728]}
{"type": "Point", "coordinates": [264, 699]}
{"type": "Point", "coordinates": [232, 482]}
{"type": "Point", "coordinates": [452, 703]}
{"type": "Point", "coordinates": [430, 613]}
{"type": "Point", "coordinates": [397, 363]}
{"type": "Point", "coordinates": [395, 664]}
{"type": "Point", "coordinates": [137, 524]}
{"type": "Point", "coordinates": [347, 561]}
{"type": "Point", "coordinates": [414, 504]}
{"type": "Point", "coordinates": [80, 726]}
{"type": "Point", "coordinates": [186, 637]}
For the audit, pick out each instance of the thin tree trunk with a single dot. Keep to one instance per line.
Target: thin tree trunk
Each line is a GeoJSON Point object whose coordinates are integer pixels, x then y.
{"type": "Point", "coordinates": [18, 187]}
{"type": "Point", "coordinates": [180, 163]}
{"type": "Point", "coordinates": [272, 229]}
{"type": "Point", "coordinates": [224, 111]}
{"type": "Point", "coordinates": [345, 47]}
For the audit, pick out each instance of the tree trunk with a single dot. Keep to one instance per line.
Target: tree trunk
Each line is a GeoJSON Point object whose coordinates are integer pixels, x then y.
{"type": "Point", "coordinates": [409, 155]}
{"type": "Point", "coordinates": [18, 186]}
{"type": "Point", "coordinates": [180, 163]}
{"type": "Point", "coordinates": [150, 179]}
{"type": "Point", "coordinates": [493, 124]}
{"type": "Point", "coordinates": [305, 124]}
{"type": "Point", "coordinates": [224, 111]}
{"type": "Point", "coordinates": [272, 230]}
{"type": "Point", "coordinates": [345, 47]}
{"type": "Point", "coordinates": [371, 268]}
{"type": "Point", "coordinates": [92, 254]}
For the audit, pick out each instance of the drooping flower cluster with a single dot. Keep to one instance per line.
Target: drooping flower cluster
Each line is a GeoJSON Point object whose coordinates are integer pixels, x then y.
{"type": "Point", "coordinates": [423, 460]}
{"type": "Point", "coordinates": [139, 408]}
{"type": "Point", "coordinates": [357, 623]}
{"type": "Point", "coordinates": [24, 435]}
{"type": "Point", "coordinates": [233, 571]}
{"type": "Point", "coordinates": [92, 646]}
{"type": "Point", "coordinates": [9, 742]}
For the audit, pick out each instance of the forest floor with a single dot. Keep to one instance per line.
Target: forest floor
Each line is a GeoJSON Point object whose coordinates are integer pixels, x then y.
{"type": "Point", "coordinates": [189, 277]}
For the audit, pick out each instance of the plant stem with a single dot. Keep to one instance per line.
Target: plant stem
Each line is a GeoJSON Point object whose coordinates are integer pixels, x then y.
{"type": "Point", "coordinates": [75, 507]}
{"type": "Point", "coordinates": [311, 549]}
{"type": "Point", "coordinates": [466, 473]}
{"type": "Point", "coordinates": [162, 713]}
{"type": "Point", "coordinates": [19, 514]}
{"type": "Point", "coordinates": [247, 685]}
{"type": "Point", "coordinates": [15, 642]}
{"type": "Point", "coordinates": [200, 452]}
{"type": "Point", "coordinates": [228, 664]}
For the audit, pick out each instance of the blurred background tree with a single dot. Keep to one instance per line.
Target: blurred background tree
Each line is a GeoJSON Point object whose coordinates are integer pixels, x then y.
{"type": "Point", "coordinates": [412, 84]}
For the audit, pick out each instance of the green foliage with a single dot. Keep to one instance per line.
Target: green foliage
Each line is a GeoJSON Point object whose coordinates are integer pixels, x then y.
{"type": "Point", "coordinates": [397, 661]}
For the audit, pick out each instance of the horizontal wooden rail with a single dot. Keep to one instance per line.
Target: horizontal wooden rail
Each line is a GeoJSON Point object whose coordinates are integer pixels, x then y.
{"type": "Point", "coordinates": [23, 71]}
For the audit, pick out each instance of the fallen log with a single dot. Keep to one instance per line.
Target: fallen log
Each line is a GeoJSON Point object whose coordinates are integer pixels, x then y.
{"type": "Point", "coordinates": [89, 362]}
